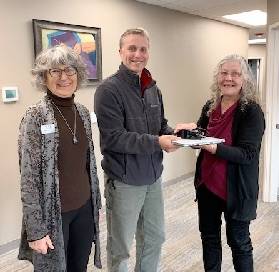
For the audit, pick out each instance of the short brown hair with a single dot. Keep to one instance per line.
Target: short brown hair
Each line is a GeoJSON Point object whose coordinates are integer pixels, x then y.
{"type": "Point", "coordinates": [133, 31]}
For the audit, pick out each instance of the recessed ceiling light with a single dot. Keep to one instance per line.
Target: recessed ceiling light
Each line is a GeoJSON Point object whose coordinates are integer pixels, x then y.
{"type": "Point", "coordinates": [257, 41]}
{"type": "Point", "coordinates": [253, 17]}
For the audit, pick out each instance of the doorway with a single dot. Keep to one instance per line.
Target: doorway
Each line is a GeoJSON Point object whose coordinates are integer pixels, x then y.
{"type": "Point", "coordinates": [255, 65]}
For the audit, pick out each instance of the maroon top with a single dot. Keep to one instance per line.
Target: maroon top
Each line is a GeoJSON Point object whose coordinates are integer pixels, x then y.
{"type": "Point", "coordinates": [214, 169]}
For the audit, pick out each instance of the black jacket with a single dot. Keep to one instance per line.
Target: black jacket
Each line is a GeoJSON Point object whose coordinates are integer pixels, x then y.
{"type": "Point", "coordinates": [243, 159]}
{"type": "Point", "coordinates": [129, 127]}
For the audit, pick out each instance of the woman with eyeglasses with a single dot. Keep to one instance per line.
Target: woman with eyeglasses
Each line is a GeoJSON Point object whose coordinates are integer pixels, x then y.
{"type": "Point", "coordinates": [59, 184]}
{"type": "Point", "coordinates": [226, 177]}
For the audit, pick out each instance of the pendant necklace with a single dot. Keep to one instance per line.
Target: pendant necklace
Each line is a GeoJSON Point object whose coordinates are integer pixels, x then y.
{"type": "Point", "coordinates": [75, 140]}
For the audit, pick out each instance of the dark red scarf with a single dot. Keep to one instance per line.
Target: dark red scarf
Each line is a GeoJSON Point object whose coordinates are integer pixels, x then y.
{"type": "Point", "coordinates": [214, 169]}
{"type": "Point", "coordinates": [145, 80]}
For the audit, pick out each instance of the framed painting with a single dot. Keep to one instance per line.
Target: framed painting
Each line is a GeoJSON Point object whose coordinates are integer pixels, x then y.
{"type": "Point", "coordinates": [85, 40]}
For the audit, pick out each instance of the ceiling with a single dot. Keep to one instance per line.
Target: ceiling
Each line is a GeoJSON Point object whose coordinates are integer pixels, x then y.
{"type": "Point", "coordinates": [215, 9]}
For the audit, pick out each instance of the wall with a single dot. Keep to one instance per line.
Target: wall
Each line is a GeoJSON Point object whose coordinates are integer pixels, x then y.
{"type": "Point", "coordinates": [272, 12]}
{"type": "Point", "coordinates": [184, 51]}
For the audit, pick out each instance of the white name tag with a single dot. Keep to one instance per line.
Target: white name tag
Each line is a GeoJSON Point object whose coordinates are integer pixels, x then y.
{"type": "Point", "coordinates": [46, 129]}
{"type": "Point", "coordinates": [93, 117]}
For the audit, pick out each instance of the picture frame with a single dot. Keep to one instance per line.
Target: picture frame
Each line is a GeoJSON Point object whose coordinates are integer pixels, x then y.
{"type": "Point", "coordinates": [85, 40]}
{"type": "Point", "coordinates": [9, 94]}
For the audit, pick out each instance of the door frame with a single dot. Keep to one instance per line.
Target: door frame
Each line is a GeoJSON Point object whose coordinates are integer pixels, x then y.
{"type": "Point", "coordinates": [271, 142]}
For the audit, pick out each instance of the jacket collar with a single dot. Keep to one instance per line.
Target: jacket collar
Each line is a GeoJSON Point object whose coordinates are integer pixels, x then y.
{"type": "Point", "coordinates": [131, 77]}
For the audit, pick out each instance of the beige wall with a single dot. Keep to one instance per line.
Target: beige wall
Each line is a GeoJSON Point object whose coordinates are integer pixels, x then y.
{"type": "Point", "coordinates": [257, 51]}
{"type": "Point", "coordinates": [272, 11]}
{"type": "Point", "coordinates": [184, 51]}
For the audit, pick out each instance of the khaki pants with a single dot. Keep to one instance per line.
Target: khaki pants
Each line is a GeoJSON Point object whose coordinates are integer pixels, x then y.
{"type": "Point", "coordinates": [134, 210]}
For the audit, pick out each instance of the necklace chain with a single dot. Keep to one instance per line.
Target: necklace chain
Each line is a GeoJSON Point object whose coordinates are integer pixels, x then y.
{"type": "Point", "coordinates": [75, 140]}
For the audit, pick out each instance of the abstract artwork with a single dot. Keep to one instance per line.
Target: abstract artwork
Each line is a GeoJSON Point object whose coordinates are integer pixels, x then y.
{"type": "Point", "coordinates": [84, 40]}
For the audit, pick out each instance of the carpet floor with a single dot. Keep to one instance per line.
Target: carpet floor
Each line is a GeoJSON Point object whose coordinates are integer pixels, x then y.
{"type": "Point", "coordinates": [182, 249]}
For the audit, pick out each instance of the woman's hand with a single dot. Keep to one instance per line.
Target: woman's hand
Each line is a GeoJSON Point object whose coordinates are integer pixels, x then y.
{"type": "Point", "coordinates": [211, 148]}
{"type": "Point", "coordinates": [42, 245]}
{"type": "Point", "coordinates": [188, 126]}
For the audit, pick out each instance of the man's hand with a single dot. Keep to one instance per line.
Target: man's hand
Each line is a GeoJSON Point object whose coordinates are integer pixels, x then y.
{"type": "Point", "coordinates": [42, 245]}
{"type": "Point", "coordinates": [188, 126]}
{"type": "Point", "coordinates": [166, 144]}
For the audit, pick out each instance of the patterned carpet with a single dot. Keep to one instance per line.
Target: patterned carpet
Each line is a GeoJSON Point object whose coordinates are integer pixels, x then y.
{"type": "Point", "coordinates": [182, 249]}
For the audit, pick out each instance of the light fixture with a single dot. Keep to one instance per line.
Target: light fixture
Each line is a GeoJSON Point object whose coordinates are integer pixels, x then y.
{"type": "Point", "coordinates": [259, 35]}
{"type": "Point", "coordinates": [253, 17]}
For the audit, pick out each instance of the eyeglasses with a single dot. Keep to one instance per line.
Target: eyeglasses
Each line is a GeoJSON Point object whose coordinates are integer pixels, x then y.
{"type": "Point", "coordinates": [57, 73]}
{"type": "Point", "coordinates": [233, 74]}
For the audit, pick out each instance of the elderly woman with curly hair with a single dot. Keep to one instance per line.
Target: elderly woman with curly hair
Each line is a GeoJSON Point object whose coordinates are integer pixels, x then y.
{"type": "Point", "coordinates": [227, 174]}
{"type": "Point", "coordinates": [226, 178]}
{"type": "Point", "coordinates": [59, 183]}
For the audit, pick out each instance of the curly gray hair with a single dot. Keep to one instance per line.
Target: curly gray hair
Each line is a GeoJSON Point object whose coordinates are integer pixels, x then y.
{"type": "Point", "coordinates": [54, 57]}
{"type": "Point", "coordinates": [248, 91]}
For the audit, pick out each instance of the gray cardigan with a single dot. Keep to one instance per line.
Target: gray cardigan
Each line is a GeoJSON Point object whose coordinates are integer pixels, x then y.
{"type": "Point", "coordinates": [40, 186]}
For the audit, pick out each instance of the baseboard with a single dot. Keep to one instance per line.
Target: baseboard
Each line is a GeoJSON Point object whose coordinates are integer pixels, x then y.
{"type": "Point", "coordinates": [178, 179]}
{"type": "Point", "coordinates": [14, 244]}
{"type": "Point", "coordinates": [9, 246]}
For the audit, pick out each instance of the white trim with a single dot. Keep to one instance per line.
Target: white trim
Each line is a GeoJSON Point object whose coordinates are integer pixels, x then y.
{"type": "Point", "coordinates": [271, 144]}
{"type": "Point", "coordinates": [9, 246]}
{"type": "Point", "coordinates": [257, 41]}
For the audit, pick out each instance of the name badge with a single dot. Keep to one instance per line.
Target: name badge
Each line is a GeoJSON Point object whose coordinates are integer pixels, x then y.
{"type": "Point", "coordinates": [46, 129]}
{"type": "Point", "coordinates": [93, 117]}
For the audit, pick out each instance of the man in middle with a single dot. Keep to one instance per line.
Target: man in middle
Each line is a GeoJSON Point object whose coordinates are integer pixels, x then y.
{"type": "Point", "coordinates": [133, 135]}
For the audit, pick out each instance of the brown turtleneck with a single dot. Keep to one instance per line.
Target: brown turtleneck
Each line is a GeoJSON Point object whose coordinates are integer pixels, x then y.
{"type": "Point", "coordinates": [72, 158]}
